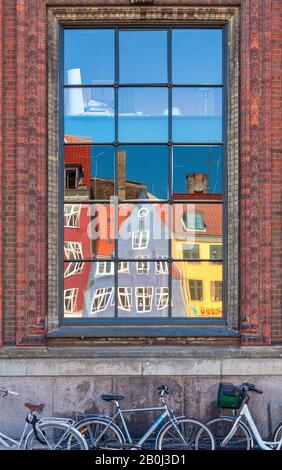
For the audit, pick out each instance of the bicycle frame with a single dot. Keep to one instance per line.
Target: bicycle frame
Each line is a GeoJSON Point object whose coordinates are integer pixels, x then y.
{"type": "Point", "coordinates": [265, 445]}
{"type": "Point", "coordinates": [5, 440]}
{"type": "Point", "coordinates": [120, 414]}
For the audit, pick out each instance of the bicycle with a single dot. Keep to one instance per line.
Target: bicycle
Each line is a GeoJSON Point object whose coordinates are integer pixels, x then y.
{"type": "Point", "coordinates": [239, 432]}
{"type": "Point", "coordinates": [102, 432]}
{"type": "Point", "coordinates": [46, 433]}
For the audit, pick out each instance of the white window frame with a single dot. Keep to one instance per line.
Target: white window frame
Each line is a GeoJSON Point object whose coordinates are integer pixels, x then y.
{"type": "Point", "coordinates": [144, 295]}
{"type": "Point", "coordinates": [140, 239]}
{"type": "Point", "coordinates": [123, 266]}
{"type": "Point", "coordinates": [194, 229]}
{"type": "Point", "coordinates": [143, 267]}
{"type": "Point", "coordinates": [104, 268]}
{"type": "Point", "coordinates": [103, 295]}
{"type": "Point", "coordinates": [125, 294]}
{"type": "Point", "coordinates": [70, 295]}
{"type": "Point", "coordinates": [72, 215]}
{"type": "Point", "coordinates": [161, 266]}
{"type": "Point", "coordinates": [73, 252]}
{"type": "Point", "coordinates": [162, 297]}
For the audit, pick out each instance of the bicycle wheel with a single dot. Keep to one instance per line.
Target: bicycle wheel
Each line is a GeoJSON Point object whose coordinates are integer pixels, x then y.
{"type": "Point", "coordinates": [56, 436]}
{"type": "Point", "coordinates": [185, 434]}
{"type": "Point", "coordinates": [99, 434]}
{"type": "Point", "coordinates": [278, 434]}
{"type": "Point", "coordinates": [220, 427]}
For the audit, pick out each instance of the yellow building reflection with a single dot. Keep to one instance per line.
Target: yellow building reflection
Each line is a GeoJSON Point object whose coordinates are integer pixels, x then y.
{"type": "Point", "coordinates": [197, 240]}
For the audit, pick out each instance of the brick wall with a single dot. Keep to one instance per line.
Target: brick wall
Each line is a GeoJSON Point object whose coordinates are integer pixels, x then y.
{"type": "Point", "coordinates": [24, 164]}
{"type": "Point", "coordinates": [9, 87]}
{"type": "Point", "coordinates": [276, 153]}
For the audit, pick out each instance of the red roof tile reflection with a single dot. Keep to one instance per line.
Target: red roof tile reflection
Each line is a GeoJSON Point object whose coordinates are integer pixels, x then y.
{"type": "Point", "coordinates": [212, 213]}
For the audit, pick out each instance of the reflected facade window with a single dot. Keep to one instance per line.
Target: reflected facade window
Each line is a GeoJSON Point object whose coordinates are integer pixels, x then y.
{"type": "Point", "coordinates": [194, 221]}
{"type": "Point", "coordinates": [143, 151]}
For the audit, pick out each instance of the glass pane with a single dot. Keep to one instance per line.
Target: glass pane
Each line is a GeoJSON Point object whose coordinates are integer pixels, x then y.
{"type": "Point", "coordinates": [143, 230]}
{"type": "Point", "coordinates": [89, 292]}
{"type": "Point", "coordinates": [197, 56]}
{"type": "Point", "coordinates": [143, 290]}
{"type": "Point", "coordinates": [197, 115]}
{"type": "Point", "coordinates": [197, 170]}
{"type": "Point", "coordinates": [143, 115]}
{"type": "Point", "coordinates": [198, 224]}
{"type": "Point", "coordinates": [89, 231]}
{"type": "Point", "coordinates": [89, 171]}
{"type": "Point", "coordinates": [143, 56]}
{"type": "Point", "coordinates": [89, 114]}
{"type": "Point", "coordinates": [89, 56]}
{"type": "Point", "coordinates": [197, 289]}
{"type": "Point", "coordinates": [143, 172]}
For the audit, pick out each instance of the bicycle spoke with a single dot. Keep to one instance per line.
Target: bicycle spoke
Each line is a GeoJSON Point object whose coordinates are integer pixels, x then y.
{"type": "Point", "coordinates": [189, 435]}
{"type": "Point", "coordinates": [100, 434]}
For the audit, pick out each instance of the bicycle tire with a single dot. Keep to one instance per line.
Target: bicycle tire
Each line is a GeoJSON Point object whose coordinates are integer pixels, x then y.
{"type": "Point", "coordinates": [53, 433]}
{"type": "Point", "coordinates": [111, 439]}
{"type": "Point", "coordinates": [220, 427]}
{"type": "Point", "coordinates": [278, 434]}
{"type": "Point", "coordinates": [197, 436]}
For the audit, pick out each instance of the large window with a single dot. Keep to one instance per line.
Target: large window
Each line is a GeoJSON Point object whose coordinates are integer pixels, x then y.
{"type": "Point", "coordinates": [144, 152]}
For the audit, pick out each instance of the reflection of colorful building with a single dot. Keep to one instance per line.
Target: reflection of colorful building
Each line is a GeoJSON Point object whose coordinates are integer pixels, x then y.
{"type": "Point", "coordinates": [198, 236]}
{"type": "Point", "coordinates": [143, 287]}
{"type": "Point", "coordinates": [77, 244]}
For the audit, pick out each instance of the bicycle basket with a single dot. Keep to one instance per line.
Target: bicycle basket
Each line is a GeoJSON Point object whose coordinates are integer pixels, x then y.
{"type": "Point", "coordinates": [229, 396]}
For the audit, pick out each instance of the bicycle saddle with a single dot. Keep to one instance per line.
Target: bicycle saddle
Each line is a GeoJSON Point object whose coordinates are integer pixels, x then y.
{"type": "Point", "coordinates": [34, 408]}
{"type": "Point", "coordinates": [112, 397]}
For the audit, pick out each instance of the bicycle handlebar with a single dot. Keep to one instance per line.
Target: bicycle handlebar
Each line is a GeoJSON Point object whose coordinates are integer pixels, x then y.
{"type": "Point", "coordinates": [251, 387]}
{"type": "Point", "coordinates": [163, 389]}
{"type": "Point", "coordinates": [7, 392]}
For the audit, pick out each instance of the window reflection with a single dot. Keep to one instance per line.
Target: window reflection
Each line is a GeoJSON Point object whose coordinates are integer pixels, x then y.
{"type": "Point", "coordinates": [89, 114]}
{"type": "Point", "coordinates": [119, 195]}
{"type": "Point", "coordinates": [89, 171]}
{"type": "Point", "coordinates": [89, 56]}
{"type": "Point", "coordinates": [90, 292]}
{"type": "Point", "coordinates": [199, 291]}
{"type": "Point", "coordinates": [143, 172]}
{"type": "Point", "coordinates": [197, 114]}
{"type": "Point", "coordinates": [143, 114]}
{"type": "Point", "coordinates": [143, 230]}
{"type": "Point", "coordinates": [197, 170]}
{"type": "Point", "coordinates": [89, 231]}
{"type": "Point", "coordinates": [197, 56]}
{"type": "Point", "coordinates": [141, 293]}
{"type": "Point", "coordinates": [75, 288]}
{"type": "Point", "coordinates": [143, 56]}
{"type": "Point", "coordinates": [197, 231]}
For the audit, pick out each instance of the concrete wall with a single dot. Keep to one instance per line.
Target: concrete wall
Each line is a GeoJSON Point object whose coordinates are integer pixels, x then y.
{"type": "Point", "coordinates": [72, 386]}
{"type": "Point", "coordinates": [192, 396]}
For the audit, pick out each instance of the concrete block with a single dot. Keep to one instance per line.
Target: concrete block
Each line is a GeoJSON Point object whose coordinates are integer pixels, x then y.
{"type": "Point", "coordinates": [181, 366]}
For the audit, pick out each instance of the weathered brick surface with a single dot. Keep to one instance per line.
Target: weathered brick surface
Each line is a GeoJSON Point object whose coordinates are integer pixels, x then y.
{"type": "Point", "coordinates": [276, 151]}
{"type": "Point", "coordinates": [24, 164]}
{"type": "Point", "coordinates": [255, 205]}
{"type": "Point", "coordinates": [1, 174]}
{"type": "Point", "coordinates": [9, 169]}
